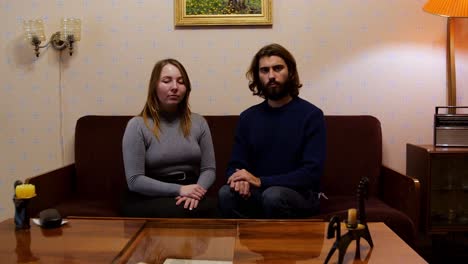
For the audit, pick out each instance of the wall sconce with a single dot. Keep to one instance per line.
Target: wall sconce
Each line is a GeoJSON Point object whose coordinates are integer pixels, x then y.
{"type": "Point", "coordinates": [69, 33]}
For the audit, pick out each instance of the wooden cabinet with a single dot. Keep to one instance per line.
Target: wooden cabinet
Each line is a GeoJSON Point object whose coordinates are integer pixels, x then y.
{"type": "Point", "coordinates": [443, 174]}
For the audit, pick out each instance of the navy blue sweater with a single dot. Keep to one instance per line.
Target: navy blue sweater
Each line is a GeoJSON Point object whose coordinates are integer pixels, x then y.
{"type": "Point", "coordinates": [282, 146]}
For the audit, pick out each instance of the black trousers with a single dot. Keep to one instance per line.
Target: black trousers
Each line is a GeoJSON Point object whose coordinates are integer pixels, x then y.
{"type": "Point", "coordinates": [138, 205]}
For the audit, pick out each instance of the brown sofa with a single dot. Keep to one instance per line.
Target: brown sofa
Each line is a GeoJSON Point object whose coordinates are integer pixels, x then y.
{"type": "Point", "coordinates": [92, 186]}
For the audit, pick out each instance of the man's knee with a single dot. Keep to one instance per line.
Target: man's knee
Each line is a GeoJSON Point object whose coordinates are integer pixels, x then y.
{"type": "Point", "coordinates": [225, 193]}
{"type": "Point", "coordinates": [227, 202]}
{"type": "Point", "coordinates": [273, 197]}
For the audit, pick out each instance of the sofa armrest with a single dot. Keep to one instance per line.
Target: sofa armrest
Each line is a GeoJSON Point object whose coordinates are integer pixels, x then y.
{"type": "Point", "coordinates": [51, 188]}
{"type": "Point", "coordinates": [401, 192]}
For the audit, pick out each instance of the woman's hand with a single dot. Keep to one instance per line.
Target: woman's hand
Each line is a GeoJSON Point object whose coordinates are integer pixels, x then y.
{"type": "Point", "coordinates": [194, 191]}
{"type": "Point", "coordinates": [189, 203]}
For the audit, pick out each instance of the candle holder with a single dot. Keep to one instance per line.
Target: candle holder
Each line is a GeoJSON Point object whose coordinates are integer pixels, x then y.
{"type": "Point", "coordinates": [22, 219]}
{"type": "Point", "coordinates": [355, 232]}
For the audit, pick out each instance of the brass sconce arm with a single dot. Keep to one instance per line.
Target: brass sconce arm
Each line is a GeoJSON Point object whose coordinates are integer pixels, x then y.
{"type": "Point", "coordinates": [54, 41]}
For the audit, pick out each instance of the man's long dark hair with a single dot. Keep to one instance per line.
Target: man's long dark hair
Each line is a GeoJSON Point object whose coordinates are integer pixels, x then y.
{"type": "Point", "coordinates": [293, 83]}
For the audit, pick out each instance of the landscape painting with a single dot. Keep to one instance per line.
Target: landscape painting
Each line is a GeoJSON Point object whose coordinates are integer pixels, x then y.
{"type": "Point", "coordinates": [222, 12]}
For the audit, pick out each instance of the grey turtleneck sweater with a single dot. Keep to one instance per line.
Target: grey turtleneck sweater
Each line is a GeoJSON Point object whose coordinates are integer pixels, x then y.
{"type": "Point", "coordinates": [146, 157]}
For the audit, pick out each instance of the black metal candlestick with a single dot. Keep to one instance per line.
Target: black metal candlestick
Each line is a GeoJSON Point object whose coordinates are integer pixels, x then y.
{"type": "Point", "coordinates": [362, 230]}
{"type": "Point", "coordinates": [21, 210]}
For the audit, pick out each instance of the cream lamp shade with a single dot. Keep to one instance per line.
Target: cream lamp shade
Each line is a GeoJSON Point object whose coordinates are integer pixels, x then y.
{"type": "Point", "coordinates": [70, 27]}
{"type": "Point", "coordinates": [34, 30]}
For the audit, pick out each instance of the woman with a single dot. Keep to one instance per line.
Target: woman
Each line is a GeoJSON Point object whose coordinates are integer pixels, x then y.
{"type": "Point", "coordinates": [168, 152]}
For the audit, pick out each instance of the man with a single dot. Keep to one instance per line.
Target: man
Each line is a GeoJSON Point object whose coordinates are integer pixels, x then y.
{"type": "Point", "coordinates": [279, 148]}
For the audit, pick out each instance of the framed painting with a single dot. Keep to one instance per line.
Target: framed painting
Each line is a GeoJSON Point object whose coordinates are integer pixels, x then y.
{"type": "Point", "coordinates": [222, 12]}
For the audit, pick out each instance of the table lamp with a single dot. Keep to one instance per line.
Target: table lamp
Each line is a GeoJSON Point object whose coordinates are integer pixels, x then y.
{"type": "Point", "coordinates": [450, 9]}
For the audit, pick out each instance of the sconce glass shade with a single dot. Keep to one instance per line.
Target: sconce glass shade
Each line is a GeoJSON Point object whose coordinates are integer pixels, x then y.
{"type": "Point", "coordinates": [34, 30]}
{"type": "Point", "coordinates": [447, 8]}
{"type": "Point", "coordinates": [70, 28]}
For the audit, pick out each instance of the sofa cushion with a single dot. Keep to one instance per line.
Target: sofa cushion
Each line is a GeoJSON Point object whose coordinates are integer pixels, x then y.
{"type": "Point", "coordinates": [86, 207]}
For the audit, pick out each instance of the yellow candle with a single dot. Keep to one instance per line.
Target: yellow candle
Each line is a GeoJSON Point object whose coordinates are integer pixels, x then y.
{"type": "Point", "coordinates": [25, 191]}
{"type": "Point", "coordinates": [352, 217]}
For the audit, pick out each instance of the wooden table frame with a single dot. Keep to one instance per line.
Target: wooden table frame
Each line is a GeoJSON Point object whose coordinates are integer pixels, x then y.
{"type": "Point", "coordinates": [117, 240]}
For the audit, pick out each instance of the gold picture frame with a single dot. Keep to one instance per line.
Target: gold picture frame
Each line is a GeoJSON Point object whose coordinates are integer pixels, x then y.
{"type": "Point", "coordinates": [232, 13]}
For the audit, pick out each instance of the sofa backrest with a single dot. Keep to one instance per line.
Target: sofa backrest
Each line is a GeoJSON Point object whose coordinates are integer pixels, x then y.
{"type": "Point", "coordinates": [98, 154]}
{"type": "Point", "coordinates": [354, 150]}
{"type": "Point", "coordinates": [98, 157]}
{"type": "Point", "coordinates": [222, 129]}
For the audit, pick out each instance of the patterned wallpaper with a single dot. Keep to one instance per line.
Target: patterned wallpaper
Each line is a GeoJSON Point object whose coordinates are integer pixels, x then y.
{"type": "Point", "coordinates": [382, 58]}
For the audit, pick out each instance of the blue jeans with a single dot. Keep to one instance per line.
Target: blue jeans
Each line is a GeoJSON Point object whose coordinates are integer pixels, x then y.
{"type": "Point", "coordinates": [272, 202]}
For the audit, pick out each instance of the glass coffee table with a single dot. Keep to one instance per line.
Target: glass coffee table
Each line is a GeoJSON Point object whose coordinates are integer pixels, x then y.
{"type": "Point", "coordinates": [225, 241]}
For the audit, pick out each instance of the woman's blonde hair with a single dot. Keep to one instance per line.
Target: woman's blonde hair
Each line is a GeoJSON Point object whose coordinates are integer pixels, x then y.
{"type": "Point", "coordinates": [152, 105]}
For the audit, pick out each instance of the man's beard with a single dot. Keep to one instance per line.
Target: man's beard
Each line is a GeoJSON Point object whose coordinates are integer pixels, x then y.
{"type": "Point", "coordinates": [275, 93]}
